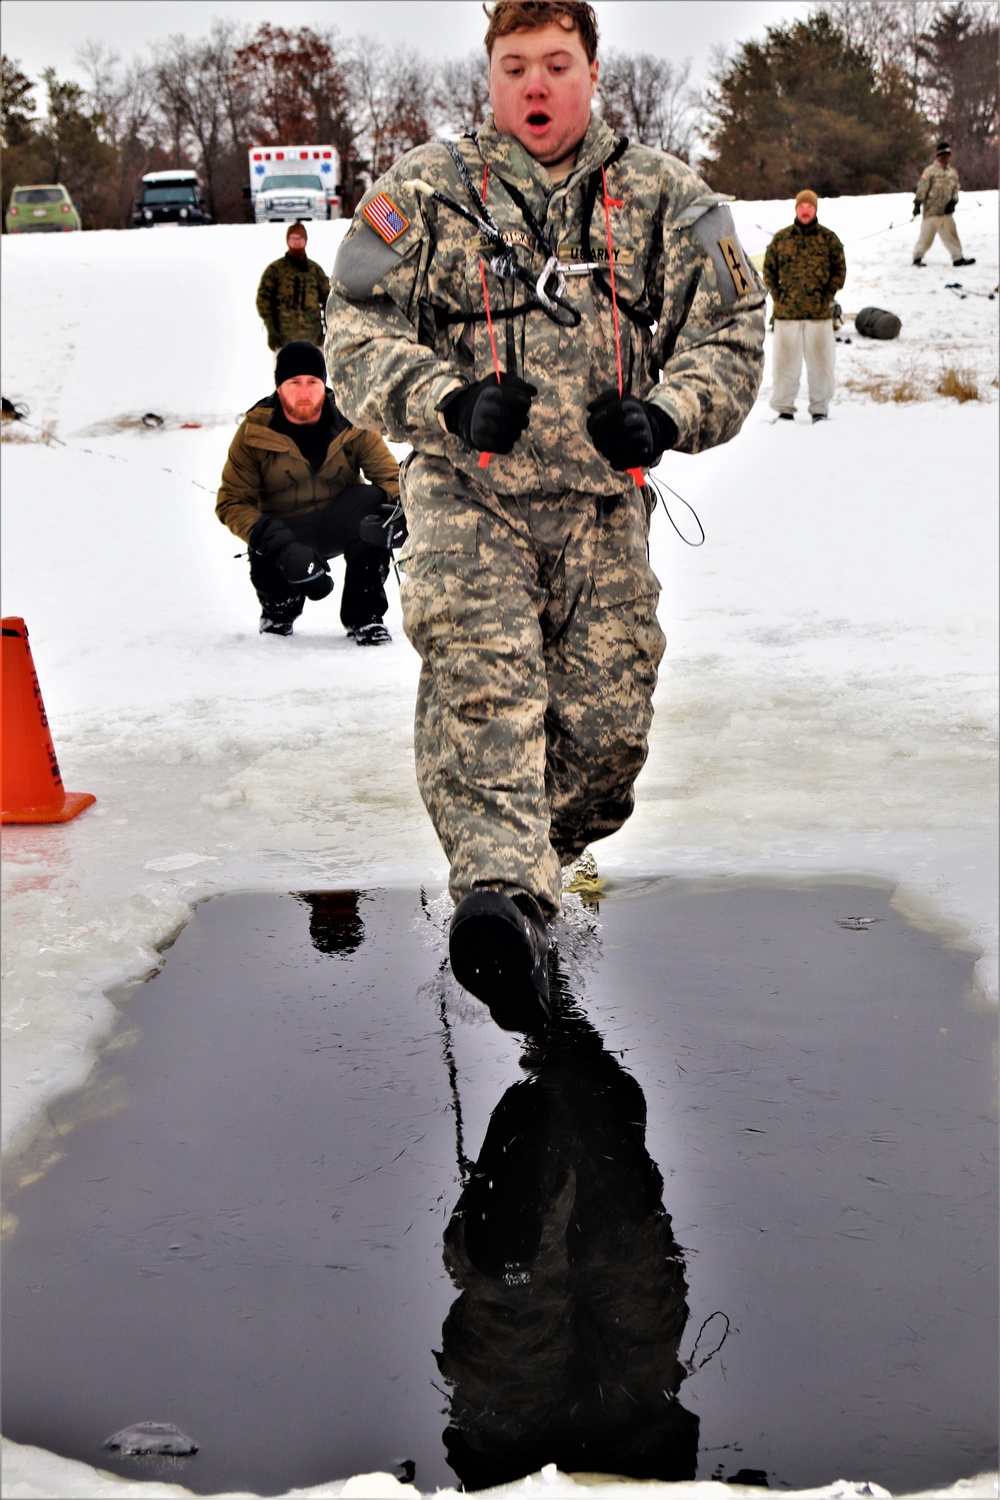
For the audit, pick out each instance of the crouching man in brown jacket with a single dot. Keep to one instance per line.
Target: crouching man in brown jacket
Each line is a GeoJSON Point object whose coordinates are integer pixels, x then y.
{"type": "Point", "coordinates": [291, 489]}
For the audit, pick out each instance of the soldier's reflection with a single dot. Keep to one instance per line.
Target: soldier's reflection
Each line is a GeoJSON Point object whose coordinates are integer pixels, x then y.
{"type": "Point", "coordinates": [335, 924]}
{"type": "Point", "coordinates": [563, 1344]}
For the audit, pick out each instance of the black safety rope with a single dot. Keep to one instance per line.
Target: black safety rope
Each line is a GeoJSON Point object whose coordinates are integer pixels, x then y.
{"type": "Point", "coordinates": [656, 484]}
{"type": "Point", "coordinates": [506, 266]}
{"type": "Point", "coordinates": [634, 314]}
{"type": "Point", "coordinates": [504, 262]}
{"type": "Point", "coordinates": [116, 457]}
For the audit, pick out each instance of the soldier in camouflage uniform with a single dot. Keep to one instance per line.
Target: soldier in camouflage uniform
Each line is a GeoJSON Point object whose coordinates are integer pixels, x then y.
{"type": "Point", "coordinates": [292, 294]}
{"type": "Point", "coordinates": [804, 267]}
{"type": "Point", "coordinates": [563, 1344]}
{"type": "Point", "coordinates": [937, 197]}
{"type": "Point", "coordinates": [480, 303]}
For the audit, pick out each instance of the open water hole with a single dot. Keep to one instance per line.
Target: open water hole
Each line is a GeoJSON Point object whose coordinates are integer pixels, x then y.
{"type": "Point", "coordinates": [736, 1217]}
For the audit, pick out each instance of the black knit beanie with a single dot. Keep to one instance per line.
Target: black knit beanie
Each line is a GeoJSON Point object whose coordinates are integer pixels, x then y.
{"type": "Point", "coordinates": [299, 358]}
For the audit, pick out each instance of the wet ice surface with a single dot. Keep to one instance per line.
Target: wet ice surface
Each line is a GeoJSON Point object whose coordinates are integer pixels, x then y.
{"type": "Point", "coordinates": [316, 1210]}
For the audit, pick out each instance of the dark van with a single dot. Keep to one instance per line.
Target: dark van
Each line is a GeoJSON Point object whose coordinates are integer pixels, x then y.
{"type": "Point", "coordinates": [170, 198]}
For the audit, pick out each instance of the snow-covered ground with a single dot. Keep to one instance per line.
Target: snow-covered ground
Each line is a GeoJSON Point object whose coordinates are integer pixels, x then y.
{"type": "Point", "coordinates": [827, 704]}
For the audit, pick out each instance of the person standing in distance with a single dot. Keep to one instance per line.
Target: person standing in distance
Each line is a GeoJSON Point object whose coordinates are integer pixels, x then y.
{"type": "Point", "coordinates": [291, 297]}
{"type": "Point", "coordinates": [541, 310]}
{"type": "Point", "coordinates": [804, 268]}
{"type": "Point", "coordinates": [937, 199]}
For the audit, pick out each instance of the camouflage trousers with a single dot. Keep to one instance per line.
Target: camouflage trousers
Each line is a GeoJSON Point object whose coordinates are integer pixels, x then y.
{"type": "Point", "coordinates": [535, 620]}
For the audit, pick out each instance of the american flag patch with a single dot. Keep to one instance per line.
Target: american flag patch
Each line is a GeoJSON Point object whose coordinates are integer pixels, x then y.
{"type": "Point", "coordinates": [383, 215]}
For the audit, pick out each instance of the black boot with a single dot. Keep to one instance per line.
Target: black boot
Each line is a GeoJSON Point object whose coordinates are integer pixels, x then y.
{"type": "Point", "coordinates": [372, 634]}
{"type": "Point", "coordinates": [279, 609]}
{"type": "Point", "coordinates": [499, 946]}
{"type": "Point", "coordinates": [274, 627]}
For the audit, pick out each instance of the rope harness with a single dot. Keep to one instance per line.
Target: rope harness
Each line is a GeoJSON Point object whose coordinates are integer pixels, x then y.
{"type": "Point", "coordinates": [547, 290]}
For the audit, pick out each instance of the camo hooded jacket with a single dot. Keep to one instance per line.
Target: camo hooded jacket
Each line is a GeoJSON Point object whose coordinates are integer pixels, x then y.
{"type": "Point", "coordinates": [804, 267]}
{"type": "Point", "coordinates": [290, 300]}
{"type": "Point", "coordinates": [937, 190]}
{"type": "Point", "coordinates": [407, 309]}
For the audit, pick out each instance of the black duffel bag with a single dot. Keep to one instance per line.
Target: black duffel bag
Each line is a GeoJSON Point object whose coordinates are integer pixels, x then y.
{"type": "Point", "coordinates": [876, 323]}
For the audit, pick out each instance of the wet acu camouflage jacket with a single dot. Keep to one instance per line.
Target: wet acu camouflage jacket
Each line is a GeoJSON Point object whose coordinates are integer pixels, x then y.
{"type": "Point", "coordinates": [803, 268]}
{"type": "Point", "coordinates": [290, 299]}
{"type": "Point", "coordinates": [266, 473]}
{"type": "Point", "coordinates": [937, 189]}
{"type": "Point", "coordinates": [406, 315]}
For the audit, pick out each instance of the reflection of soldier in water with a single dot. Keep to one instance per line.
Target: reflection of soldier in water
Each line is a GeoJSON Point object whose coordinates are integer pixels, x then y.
{"type": "Point", "coordinates": [562, 1347]}
{"type": "Point", "coordinates": [335, 924]}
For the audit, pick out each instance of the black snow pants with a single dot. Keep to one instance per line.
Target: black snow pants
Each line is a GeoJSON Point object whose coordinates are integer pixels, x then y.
{"type": "Point", "coordinates": [334, 532]}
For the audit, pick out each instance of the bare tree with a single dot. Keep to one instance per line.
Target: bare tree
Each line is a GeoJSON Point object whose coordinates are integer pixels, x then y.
{"type": "Point", "coordinates": [124, 100]}
{"type": "Point", "coordinates": [959, 51]}
{"type": "Point", "coordinates": [914, 18]}
{"type": "Point", "coordinates": [299, 86]}
{"type": "Point", "coordinates": [195, 97]}
{"type": "Point", "coordinates": [394, 93]}
{"type": "Point", "coordinates": [650, 100]}
{"type": "Point", "coordinates": [461, 94]}
{"type": "Point", "coordinates": [890, 31]}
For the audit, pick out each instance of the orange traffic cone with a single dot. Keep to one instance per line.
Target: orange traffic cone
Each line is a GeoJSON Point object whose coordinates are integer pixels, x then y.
{"type": "Point", "coordinates": [32, 788]}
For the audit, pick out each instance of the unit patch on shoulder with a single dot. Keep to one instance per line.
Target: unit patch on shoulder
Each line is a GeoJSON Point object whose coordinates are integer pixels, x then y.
{"type": "Point", "coordinates": [716, 232]}
{"type": "Point", "coordinates": [385, 218]}
{"type": "Point", "coordinates": [731, 255]}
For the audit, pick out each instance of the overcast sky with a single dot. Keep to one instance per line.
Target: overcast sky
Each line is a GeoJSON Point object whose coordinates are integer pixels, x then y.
{"type": "Point", "coordinates": [47, 33]}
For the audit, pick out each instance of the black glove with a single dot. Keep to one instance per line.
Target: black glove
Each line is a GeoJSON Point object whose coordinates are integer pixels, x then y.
{"type": "Point", "coordinates": [300, 565]}
{"type": "Point", "coordinates": [950, 208]}
{"type": "Point", "coordinates": [629, 433]}
{"type": "Point", "coordinates": [305, 569]}
{"type": "Point", "coordinates": [386, 527]}
{"type": "Point", "coordinates": [489, 415]}
{"type": "Point", "coordinates": [916, 207]}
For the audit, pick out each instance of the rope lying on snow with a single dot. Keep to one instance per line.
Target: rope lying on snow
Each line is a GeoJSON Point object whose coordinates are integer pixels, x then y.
{"type": "Point", "coordinates": [21, 416]}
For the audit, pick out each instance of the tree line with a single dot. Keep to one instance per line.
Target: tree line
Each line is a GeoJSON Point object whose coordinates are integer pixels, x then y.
{"type": "Point", "coordinates": [852, 100]}
{"type": "Point", "coordinates": [849, 100]}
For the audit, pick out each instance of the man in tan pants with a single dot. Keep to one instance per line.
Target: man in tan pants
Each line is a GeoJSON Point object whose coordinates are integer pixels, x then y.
{"type": "Point", "coordinates": [937, 199]}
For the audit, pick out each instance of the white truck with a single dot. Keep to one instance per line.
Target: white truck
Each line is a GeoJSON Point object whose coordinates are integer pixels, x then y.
{"type": "Point", "coordinates": [294, 182]}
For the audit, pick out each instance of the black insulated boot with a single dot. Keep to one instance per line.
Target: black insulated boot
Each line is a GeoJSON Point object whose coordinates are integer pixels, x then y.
{"type": "Point", "coordinates": [374, 634]}
{"type": "Point", "coordinates": [499, 947]}
{"type": "Point", "coordinates": [274, 627]}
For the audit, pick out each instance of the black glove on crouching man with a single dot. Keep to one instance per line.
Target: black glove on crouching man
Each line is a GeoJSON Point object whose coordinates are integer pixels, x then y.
{"type": "Point", "coordinates": [490, 415]}
{"type": "Point", "coordinates": [299, 565]}
{"type": "Point", "coordinates": [385, 527]}
{"type": "Point", "coordinates": [629, 433]}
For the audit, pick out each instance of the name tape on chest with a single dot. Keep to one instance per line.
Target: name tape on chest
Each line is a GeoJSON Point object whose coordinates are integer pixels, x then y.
{"type": "Point", "coordinates": [511, 237]}
{"type": "Point", "coordinates": [623, 255]}
{"type": "Point", "coordinates": [385, 218]}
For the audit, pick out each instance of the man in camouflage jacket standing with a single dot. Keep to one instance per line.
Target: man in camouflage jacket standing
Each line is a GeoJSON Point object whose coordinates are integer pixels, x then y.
{"type": "Point", "coordinates": [803, 268]}
{"type": "Point", "coordinates": [292, 294]}
{"type": "Point", "coordinates": [507, 305]}
{"type": "Point", "coordinates": [937, 197]}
